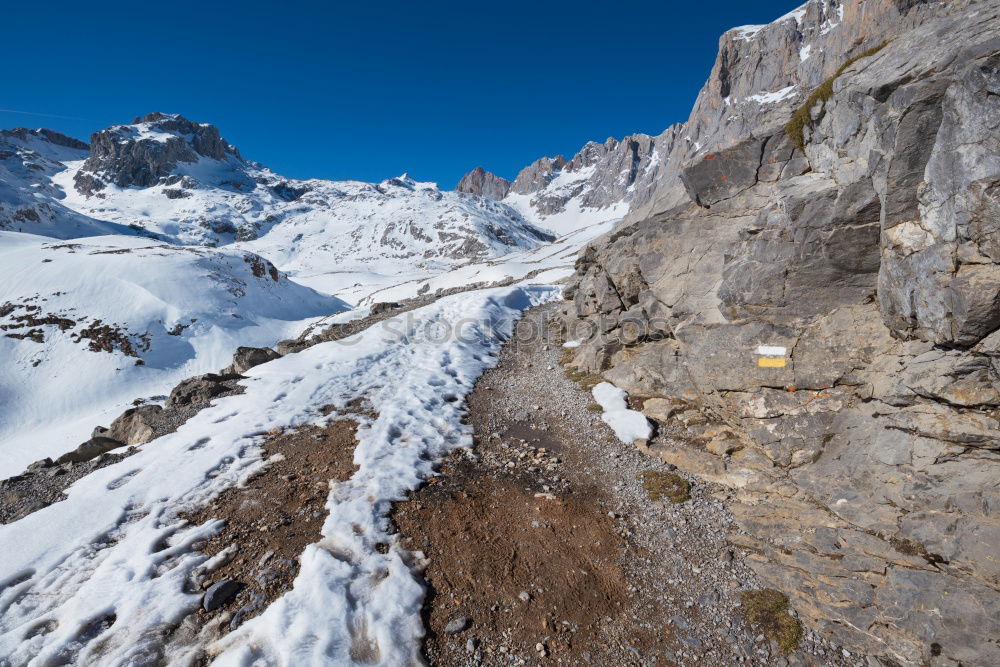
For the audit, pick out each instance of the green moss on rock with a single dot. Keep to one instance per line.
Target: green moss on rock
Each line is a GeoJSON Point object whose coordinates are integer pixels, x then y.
{"type": "Point", "coordinates": [796, 126]}
{"type": "Point", "coordinates": [667, 485]}
{"type": "Point", "coordinates": [767, 611]}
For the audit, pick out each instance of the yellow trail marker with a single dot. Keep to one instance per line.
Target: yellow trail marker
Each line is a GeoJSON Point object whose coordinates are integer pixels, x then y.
{"type": "Point", "coordinates": [766, 362]}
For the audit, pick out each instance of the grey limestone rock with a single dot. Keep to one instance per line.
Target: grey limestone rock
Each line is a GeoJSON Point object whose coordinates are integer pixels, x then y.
{"type": "Point", "coordinates": [838, 308]}
{"type": "Point", "coordinates": [246, 358]}
{"type": "Point", "coordinates": [218, 594]}
{"type": "Point", "coordinates": [90, 450]}
{"type": "Point", "coordinates": [137, 425]}
{"type": "Point", "coordinates": [481, 182]}
{"type": "Point", "coordinates": [197, 389]}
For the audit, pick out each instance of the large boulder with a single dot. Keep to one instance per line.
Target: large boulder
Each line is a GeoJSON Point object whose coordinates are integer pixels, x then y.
{"type": "Point", "coordinates": [90, 450]}
{"type": "Point", "coordinates": [136, 426]}
{"type": "Point", "coordinates": [246, 358]}
{"type": "Point", "coordinates": [199, 389]}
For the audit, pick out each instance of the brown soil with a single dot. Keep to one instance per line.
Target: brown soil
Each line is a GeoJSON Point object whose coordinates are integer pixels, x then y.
{"type": "Point", "coordinates": [272, 519]}
{"type": "Point", "coordinates": [527, 567]}
{"type": "Point", "coordinates": [523, 516]}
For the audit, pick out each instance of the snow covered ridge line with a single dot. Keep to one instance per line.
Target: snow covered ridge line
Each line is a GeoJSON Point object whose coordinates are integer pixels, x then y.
{"type": "Point", "coordinates": [102, 577]}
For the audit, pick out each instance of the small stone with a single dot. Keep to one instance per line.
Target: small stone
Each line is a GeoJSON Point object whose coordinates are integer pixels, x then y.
{"type": "Point", "coordinates": [456, 625]}
{"type": "Point", "coordinates": [524, 596]}
{"type": "Point", "coordinates": [219, 594]}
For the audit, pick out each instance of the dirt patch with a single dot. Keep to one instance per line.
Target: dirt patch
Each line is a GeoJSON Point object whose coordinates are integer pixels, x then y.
{"type": "Point", "coordinates": [271, 520]}
{"type": "Point", "coordinates": [522, 566]}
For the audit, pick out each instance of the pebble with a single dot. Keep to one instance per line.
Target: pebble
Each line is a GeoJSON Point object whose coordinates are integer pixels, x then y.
{"type": "Point", "coordinates": [456, 625]}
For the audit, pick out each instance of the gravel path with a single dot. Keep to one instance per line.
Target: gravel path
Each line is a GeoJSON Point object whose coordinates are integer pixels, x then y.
{"type": "Point", "coordinates": [683, 579]}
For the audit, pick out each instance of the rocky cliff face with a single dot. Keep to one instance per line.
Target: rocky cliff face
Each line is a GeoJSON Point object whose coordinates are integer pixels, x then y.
{"type": "Point", "coordinates": [599, 184]}
{"type": "Point", "coordinates": [481, 182]}
{"type": "Point", "coordinates": [833, 314]}
{"type": "Point", "coordinates": [147, 151]}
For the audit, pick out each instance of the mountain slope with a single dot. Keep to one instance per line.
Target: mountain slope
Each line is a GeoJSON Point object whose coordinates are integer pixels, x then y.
{"type": "Point", "coordinates": [29, 199]}
{"type": "Point", "coordinates": [87, 326]}
{"type": "Point", "coordinates": [599, 184]}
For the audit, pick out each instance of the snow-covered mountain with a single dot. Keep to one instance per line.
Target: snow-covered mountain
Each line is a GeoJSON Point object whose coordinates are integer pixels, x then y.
{"type": "Point", "coordinates": [182, 182]}
{"type": "Point", "coordinates": [89, 325]}
{"type": "Point", "coordinates": [351, 238]}
{"type": "Point", "coordinates": [165, 274]}
{"type": "Point", "coordinates": [183, 282]}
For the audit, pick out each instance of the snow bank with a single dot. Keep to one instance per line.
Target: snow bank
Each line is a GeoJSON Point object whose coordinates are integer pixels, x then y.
{"type": "Point", "coordinates": [628, 425]}
{"type": "Point", "coordinates": [116, 551]}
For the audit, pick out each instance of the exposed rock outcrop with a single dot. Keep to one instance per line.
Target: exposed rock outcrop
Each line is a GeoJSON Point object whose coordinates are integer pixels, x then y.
{"type": "Point", "coordinates": [481, 182]}
{"type": "Point", "coordinates": [246, 358]}
{"type": "Point", "coordinates": [835, 313]}
{"type": "Point", "coordinates": [199, 389]}
{"type": "Point", "coordinates": [148, 150]}
{"type": "Point", "coordinates": [609, 176]}
{"type": "Point", "coordinates": [50, 136]}
{"type": "Point", "coordinates": [29, 199]}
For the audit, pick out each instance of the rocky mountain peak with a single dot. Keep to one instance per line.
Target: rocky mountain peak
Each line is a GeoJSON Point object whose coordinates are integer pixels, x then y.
{"type": "Point", "coordinates": [537, 175]}
{"type": "Point", "coordinates": [148, 150]}
{"type": "Point", "coordinates": [763, 72]}
{"type": "Point", "coordinates": [485, 183]}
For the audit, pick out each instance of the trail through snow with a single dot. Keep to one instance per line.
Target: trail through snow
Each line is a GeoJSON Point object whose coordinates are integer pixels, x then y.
{"type": "Point", "coordinates": [100, 578]}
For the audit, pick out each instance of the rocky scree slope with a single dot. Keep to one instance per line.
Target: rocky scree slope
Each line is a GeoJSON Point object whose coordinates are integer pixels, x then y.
{"type": "Point", "coordinates": [834, 312]}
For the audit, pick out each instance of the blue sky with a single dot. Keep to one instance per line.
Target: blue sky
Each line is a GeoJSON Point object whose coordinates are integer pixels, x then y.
{"type": "Point", "coordinates": [369, 90]}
